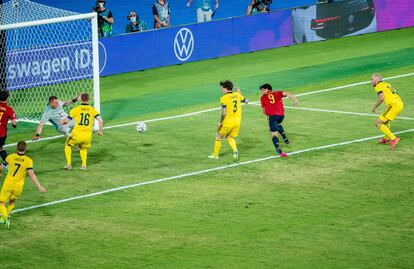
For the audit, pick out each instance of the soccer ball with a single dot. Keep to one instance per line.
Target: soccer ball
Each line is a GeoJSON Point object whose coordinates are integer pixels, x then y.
{"type": "Point", "coordinates": [141, 127]}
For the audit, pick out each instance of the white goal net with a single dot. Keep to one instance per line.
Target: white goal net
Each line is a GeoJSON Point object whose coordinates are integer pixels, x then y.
{"type": "Point", "coordinates": [46, 51]}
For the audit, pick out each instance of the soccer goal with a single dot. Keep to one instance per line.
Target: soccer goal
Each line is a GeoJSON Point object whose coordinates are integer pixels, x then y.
{"type": "Point", "coordinates": [46, 51]}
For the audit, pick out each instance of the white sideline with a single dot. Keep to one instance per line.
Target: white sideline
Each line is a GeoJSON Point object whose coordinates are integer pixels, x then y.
{"type": "Point", "coordinates": [214, 109]}
{"type": "Point", "coordinates": [200, 172]}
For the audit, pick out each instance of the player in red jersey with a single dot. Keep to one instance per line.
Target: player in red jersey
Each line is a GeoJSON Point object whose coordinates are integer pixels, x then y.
{"type": "Point", "coordinates": [6, 113]}
{"type": "Point", "coordinates": [272, 106]}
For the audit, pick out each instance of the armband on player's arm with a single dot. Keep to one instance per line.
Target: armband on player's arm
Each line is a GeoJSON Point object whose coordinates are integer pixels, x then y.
{"type": "Point", "coordinates": [222, 116]}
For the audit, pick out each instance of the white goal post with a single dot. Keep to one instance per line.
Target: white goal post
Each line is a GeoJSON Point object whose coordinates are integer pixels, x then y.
{"type": "Point", "coordinates": [47, 56]}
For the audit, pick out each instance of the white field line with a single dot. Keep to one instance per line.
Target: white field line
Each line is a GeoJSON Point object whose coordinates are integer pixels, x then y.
{"type": "Point", "coordinates": [213, 109]}
{"type": "Point", "coordinates": [219, 168]}
{"type": "Point", "coordinates": [165, 118]}
{"type": "Point", "coordinates": [342, 112]}
{"type": "Point", "coordinates": [338, 112]}
{"type": "Point", "coordinates": [126, 124]}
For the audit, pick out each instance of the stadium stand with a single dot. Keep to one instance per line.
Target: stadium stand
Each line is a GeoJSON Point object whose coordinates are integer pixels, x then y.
{"type": "Point", "coordinates": [180, 13]}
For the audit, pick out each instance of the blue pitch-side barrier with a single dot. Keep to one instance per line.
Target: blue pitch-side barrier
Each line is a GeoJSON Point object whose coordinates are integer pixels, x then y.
{"type": "Point", "coordinates": [195, 42]}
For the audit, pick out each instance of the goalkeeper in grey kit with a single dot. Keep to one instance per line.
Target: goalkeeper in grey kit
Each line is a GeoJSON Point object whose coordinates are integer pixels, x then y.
{"type": "Point", "coordinates": [54, 113]}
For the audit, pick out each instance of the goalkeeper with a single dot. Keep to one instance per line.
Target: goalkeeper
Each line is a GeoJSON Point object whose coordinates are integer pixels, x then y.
{"type": "Point", "coordinates": [54, 113]}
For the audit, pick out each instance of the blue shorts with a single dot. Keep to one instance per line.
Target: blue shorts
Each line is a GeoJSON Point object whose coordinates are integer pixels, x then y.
{"type": "Point", "coordinates": [274, 122]}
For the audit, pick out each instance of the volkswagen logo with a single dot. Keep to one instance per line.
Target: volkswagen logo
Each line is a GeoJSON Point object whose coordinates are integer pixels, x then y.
{"type": "Point", "coordinates": [183, 44]}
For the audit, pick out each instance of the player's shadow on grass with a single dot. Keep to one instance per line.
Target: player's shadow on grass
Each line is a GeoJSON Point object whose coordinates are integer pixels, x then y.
{"type": "Point", "coordinates": [98, 156]}
{"type": "Point", "coordinates": [147, 145]}
{"type": "Point", "coordinates": [47, 146]}
{"type": "Point", "coordinates": [247, 143]}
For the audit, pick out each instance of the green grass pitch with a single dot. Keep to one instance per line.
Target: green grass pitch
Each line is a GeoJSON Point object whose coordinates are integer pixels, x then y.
{"type": "Point", "coordinates": [347, 206]}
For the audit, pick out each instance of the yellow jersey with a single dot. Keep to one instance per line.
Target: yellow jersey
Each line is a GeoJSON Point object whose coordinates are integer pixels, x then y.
{"type": "Point", "coordinates": [18, 166]}
{"type": "Point", "coordinates": [84, 116]}
{"type": "Point", "coordinates": [231, 101]}
{"type": "Point", "coordinates": [391, 96]}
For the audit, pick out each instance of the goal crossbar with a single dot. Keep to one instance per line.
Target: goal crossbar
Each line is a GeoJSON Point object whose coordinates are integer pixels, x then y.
{"type": "Point", "coordinates": [91, 15]}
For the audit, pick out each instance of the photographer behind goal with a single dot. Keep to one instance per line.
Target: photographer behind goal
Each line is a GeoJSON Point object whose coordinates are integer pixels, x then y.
{"type": "Point", "coordinates": [105, 19]}
{"type": "Point", "coordinates": [258, 6]}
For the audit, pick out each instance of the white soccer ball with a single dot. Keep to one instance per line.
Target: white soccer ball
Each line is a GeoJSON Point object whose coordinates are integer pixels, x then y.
{"type": "Point", "coordinates": [141, 127]}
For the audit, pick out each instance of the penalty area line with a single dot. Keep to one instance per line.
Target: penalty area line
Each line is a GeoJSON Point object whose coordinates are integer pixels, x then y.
{"type": "Point", "coordinates": [126, 124]}
{"type": "Point", "coordinates": [352, 85]}
{"type": "Point", "coordinates": [340, 112]}
{"type": "Point", "coordinates": [201, 172]}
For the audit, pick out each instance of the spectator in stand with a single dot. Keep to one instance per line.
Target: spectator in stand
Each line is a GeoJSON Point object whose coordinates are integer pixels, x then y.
{"type": "Point", "coordinates": [135, 24]}
{"type": "Point", "coordinates": [258, 6]}
{"type": "Point", "coordinates": [105, 19]}
{"type": "Point", "coordinates": [204, 11]}
{"type": "Point", "coordinates": [161, 12]}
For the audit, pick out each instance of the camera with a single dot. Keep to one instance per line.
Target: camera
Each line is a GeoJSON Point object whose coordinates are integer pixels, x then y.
{"type": "Point", "coordinates": [266, 2]}
{"type": "Point", "coordinates": [95, 8]}
{"type": "Point", "coordinates": [259, 3]}
{"type": "Point", "coordinates": [101, 20]}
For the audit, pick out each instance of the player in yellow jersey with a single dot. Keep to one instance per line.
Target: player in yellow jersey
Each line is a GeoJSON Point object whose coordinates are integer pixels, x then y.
{"type": "Point", "coordinates": [393, 107]}
{"type": "Point", "coordinates": [231, 114]}
{"type": "Point", "coordinates": [81, 135]}
{"type": "Point", "coordinates": [19, 164]}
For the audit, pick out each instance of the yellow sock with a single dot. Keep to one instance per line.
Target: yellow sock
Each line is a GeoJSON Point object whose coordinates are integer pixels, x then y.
{"type": "Point", "coordinates": [10, 208]}
{"type": "Point", "coordinates": [217, 147]}
{"type": "Point", "coordinates": [388, 124]}
{"type": "Point", "coordinates": [84, 155]}
{"type": "Point", "coordinates": [68, 154]}
{"type": "Point", "coordinates": [383, 128]}
{"type": "Point", "coordinates": [232, 143]}
{"type": "Point", "coordinates": [3, 212]}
